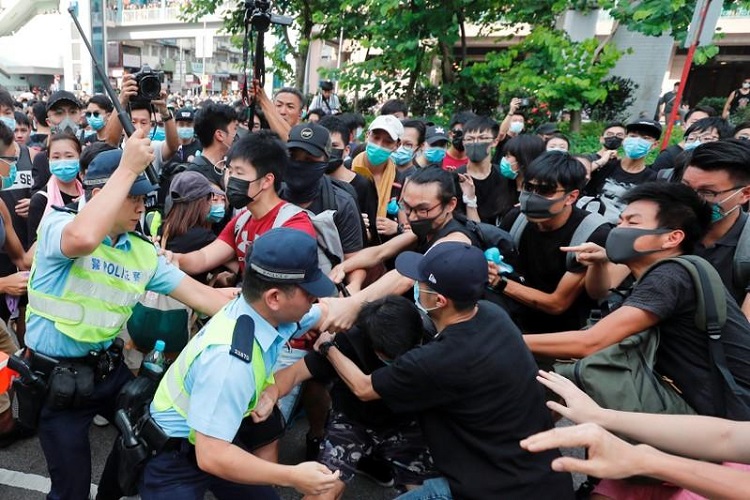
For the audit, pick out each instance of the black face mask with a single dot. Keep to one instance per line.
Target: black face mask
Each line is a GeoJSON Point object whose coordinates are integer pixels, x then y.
{"type": "Point", "coordinates": [303, 179]}
{"type": "Point", "coordinates": [612, 143]}
{"type": "Point", "coordinates": [237, 192]}
{"type": "Point", "coordinates": [335, 160]}
{"type": "Point", "coordinates": [423, 228]}
{"type": "Point", "coordinates": [458, 140]}
{"type": "Point", "coordinates": [537, 206]}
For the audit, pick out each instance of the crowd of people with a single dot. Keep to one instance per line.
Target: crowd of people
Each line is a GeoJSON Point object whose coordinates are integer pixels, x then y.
{"type": "Point", "coordinates": [398, 281]}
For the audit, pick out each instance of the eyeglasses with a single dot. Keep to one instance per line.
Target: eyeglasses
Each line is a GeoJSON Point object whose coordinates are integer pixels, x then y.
{"type": "Point", "coordinates": [542, 189]}
{"type": "Point", "coordinates": [703, 138]}
{"type": "Point", "coordinates": [474, 140]}
{"type": "Point", "coordinates": [711, 194]}
{"type": "Point", "coordinates": [421, 212]}
{"type": "Point", "coordinates": [95, 114]}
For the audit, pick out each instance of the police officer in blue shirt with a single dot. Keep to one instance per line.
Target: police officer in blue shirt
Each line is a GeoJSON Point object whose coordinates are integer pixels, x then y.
{"type": "Point", "coordinates": [89, 270]}
{"type": "Point", "coordinates": [217, 381]}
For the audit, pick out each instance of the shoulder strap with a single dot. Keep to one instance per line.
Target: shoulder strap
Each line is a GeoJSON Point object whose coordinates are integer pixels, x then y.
{"type": "Point", "coordinates": [241, 221]}
{"type": "Point", "coordinates": [583, 232]}
{"type": "Point", "coordinates": [286, 212]}
{"type": "Point", "coordinates": [665, 174]}
{"type": "Point", "coordinates": [741, 261]}
{"type": "Point", "coordinates": [517, 229]}
{"type": "Point", "coordinates": [329, 199]}
{"type": "Point", "coordinates": [710, 317]}
{"type": "Point", "coordinates": [243, 338]}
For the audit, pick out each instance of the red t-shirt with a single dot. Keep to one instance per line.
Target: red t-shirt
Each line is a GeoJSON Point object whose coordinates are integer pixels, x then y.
{"type": "Point", "coordinates": [255, 227]}
{"type": "Point", "coordinates": [450, 163]}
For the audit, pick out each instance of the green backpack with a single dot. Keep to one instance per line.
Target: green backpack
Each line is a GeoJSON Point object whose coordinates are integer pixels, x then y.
{"type": "Point", "coordinates": [622, 376]}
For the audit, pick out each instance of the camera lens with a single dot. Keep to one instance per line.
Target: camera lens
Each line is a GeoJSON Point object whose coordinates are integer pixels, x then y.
{"type": "Point", "coordinates": [150, 87]}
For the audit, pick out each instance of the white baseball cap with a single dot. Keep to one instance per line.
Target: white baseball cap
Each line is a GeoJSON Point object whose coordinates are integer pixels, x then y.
{"type": "Point", "coordinates": [390, 124]}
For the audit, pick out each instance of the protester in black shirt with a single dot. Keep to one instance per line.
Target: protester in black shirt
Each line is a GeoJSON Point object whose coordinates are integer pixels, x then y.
{"type": "Point", "coordinates": [386, 329]}
{"type": "Point", "coordinates": [661, 220]}
{"type": "Point", "coordinates": [473, 386]}
{"type": "Point", "coordinates": [552, 293]}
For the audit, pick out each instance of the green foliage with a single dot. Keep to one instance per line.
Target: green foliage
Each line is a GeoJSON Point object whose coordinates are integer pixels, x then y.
{"type": "Point", "coordinates": [715, 102]}
{"type": "Point", "coordinates": [620, 96]}
{"type": "Point", "coordinates": [425, 101]}
{"type": "Point", "coordinates": [552, 68]}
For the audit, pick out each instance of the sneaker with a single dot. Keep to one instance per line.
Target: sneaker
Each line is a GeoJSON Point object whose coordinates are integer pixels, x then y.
{"type": "Point", "coordinates": [377, 470]}
{"type": "Point", "coordinates": [100, 421]}
{"type": "Point", "coordinates": [312, 447]}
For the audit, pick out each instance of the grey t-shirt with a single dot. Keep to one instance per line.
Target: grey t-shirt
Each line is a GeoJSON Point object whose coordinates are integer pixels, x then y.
{"type": "Point", "coordinates": [668, 292]}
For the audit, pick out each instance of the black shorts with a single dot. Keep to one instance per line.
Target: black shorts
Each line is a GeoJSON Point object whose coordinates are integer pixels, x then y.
{"type": "Point", "coordinates": [403, 446]}
{"type": "Point", "coordinates": [251, 436]}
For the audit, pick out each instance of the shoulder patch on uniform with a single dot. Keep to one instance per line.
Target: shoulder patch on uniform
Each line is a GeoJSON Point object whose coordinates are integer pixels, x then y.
{"type": "Point", "coordinates": [243, 338]}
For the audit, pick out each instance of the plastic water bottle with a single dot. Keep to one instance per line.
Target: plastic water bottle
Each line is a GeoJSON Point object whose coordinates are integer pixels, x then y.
{"type": "Point", "coordinates": [154, 364]}
{"type": "Point", "coordinates": [392, 207]}
{"type": "Point", "coordinates": [494, 255]}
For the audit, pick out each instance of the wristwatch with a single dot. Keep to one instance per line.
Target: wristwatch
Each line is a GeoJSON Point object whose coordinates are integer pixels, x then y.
{"type": "Point", "coordinates": [501, 284]}
{"type": "Point", "coordinates": [323, 349]}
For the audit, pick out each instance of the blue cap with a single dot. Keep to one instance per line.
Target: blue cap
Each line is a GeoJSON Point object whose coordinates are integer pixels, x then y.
{"type": "Point", "coordinates": [454, 269]}
{"type": "Point", "coordinates": [159, 346]}
{"type": "Point", "coordinates": [290, 256]}
{"type": "Point", "coordinates": [104, 165]}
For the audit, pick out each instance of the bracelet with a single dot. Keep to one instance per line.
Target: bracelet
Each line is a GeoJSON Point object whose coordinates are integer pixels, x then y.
{"type": "Point", "coordinates": [168, 116]}
{"type": "Point", "coordinates": [325, 346]}
{"type": "Point", "coordinates": [470, 202]}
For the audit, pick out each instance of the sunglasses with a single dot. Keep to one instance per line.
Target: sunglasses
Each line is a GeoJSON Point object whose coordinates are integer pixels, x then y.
{"type": "Point", "coordinates": [542, 189]}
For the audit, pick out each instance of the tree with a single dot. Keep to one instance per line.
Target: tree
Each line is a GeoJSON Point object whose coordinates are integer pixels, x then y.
{"type": "Point", "coordinates": [303, 13]}
{"type": "Point", "coordinates": [553, 69]}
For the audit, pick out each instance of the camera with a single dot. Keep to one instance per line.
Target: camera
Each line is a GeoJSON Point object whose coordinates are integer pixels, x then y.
{"type": "Point", "coordinates": [525, 102]}
{"type": "Point", "coordinates": [258, 14]}
{"type": "Point", "coordinates": [149, 83]}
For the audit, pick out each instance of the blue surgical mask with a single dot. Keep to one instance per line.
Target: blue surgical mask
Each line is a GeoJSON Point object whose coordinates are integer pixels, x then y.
{"type": "Point", "coordinates": [392, 208]}
{"type": "Point", "coordinates": [217, 212]}
{"type": "Point", "coordinates": [434, 155]}
{"type": "Point", "coordinates": [11, 179]}
{"type": "Point", "coordinates": [689, 146]}
{"type": "Point", "coordinates": [9, 121]}
{"type": "Point", "coordinates": [506, 169]}
{"type": "Point", "coordinates": [402, 156]}
{"type": "Point", "coordinates": [636, 147]}
{"type": "Point", "coordinates": [159, 134]}
{"type": "Point", "coordinates": [377, 155]}
{"type": "Point", "coordinates": [418, 303]}
{"type": "Point", "coordinates": [718, 213]}
{"type": "Point", "coordinates": [185, 133]}
{"type": "Point", "coordinates": [516, 127]}
{"type": "Point", "coordinates": [65, 170]}
{"type": "Point", "coordinates": [97, 122]}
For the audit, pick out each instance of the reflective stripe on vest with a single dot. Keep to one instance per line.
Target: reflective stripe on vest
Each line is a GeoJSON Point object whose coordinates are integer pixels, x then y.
{"type": "Point", "coordinates": [172, 394]}
{"type": "Point", "coordinates": [99, 292]}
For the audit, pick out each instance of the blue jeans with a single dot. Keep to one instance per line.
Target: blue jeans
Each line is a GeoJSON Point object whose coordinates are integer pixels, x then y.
{"type": "Point", "coordinates": [174, 475]}
{"type": "Point", "coordinates": [287, 357]}
{"type": "Point", "coordinates": [432, 489]}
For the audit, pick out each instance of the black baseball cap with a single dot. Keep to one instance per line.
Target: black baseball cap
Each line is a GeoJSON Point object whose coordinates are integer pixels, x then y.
{"type": "Point", "coordinates": [290, 256]}
{"type": "Point", "coordinates": [326, 85]}
{"type": "Point", "coordinates": [104, 165]}
{"type": "Point", "coordinates": [650, 128]}
{"type": "Point", "coordinates": [547, 129]}
{"type": "Point", "coordinates": [454, 269]}
{"type": "Point", "coordinates": [311, 137]}
{"type": "Point", "coordinates": [435, 133]}
{"type": "Point", "coordinates": [63, 96]}
{"type": "Point", "coordinates": [184, 115]}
